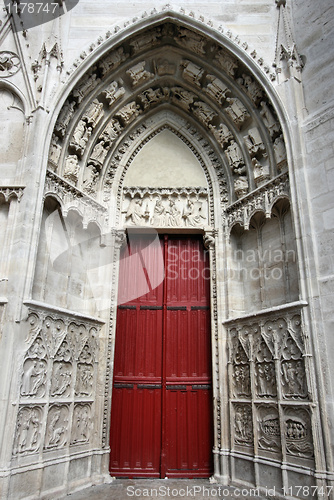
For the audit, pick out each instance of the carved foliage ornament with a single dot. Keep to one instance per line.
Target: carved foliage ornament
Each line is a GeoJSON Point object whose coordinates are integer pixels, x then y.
{"type": "Point", "coordinates": [9, 64]}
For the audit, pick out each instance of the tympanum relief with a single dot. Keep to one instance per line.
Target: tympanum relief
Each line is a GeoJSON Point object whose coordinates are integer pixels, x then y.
{"type": "Point", "coordinates": [165, 207]}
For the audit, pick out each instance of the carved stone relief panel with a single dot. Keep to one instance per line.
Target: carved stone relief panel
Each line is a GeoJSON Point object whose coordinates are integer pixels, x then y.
{"type": "Point", "coordinates": [28, 430]}
{"type": "Point", "coordinates": [265, 372]}
{"type": "Point", "coordinates": [34, 377]}
{"type": "Point", "coordinates": [298, 432]}
{"type": "Point", "coordinates": [293, 373]}
{"type": "Point", "coordinates": [165, 207]}
{"type": "Point", "coordinates": [81, 427]}
{"type": "Point", "coordinates": [57, 426]}
{"type": "Point", "coordinates": [240, 369]}
{"type": "Point", "coordinates": [243, 424]}
{"type": "Point", "coordinates": [269, 433]}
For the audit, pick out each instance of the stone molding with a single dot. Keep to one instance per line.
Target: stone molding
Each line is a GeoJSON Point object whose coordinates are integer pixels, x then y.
{"type": "Point", "coordinates": [10, 192]}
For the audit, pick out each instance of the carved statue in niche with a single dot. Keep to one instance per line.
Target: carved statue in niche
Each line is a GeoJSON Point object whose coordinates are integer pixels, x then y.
{"type": "Point", "coordinates": [128, 113]}
{"type": "Point", "coordinates": [298, 432]}
{"type": "Point", "coordinates": [84, 382]}
{"type": "Point", "coordinates": [241, 186]}
{"type": "Point", "coordinates": [87, 85]}
{"type": "Point", "coordinates": [146, 40]}
{"type": "Point", "coordinates": [235, 158]}
{"type": "Point", "coordinates": [227, 62]}
{"type": "Point", "coordinates": [138, 74]}
{"type": "Point", "coordinates": [99, 154]}
{"type": "Point", "coordinates": [280, 152]}
{"type": "Point", "coordinates": [182, 97]}
{"type": "Point", "coordinates": [71, 169]}
{"type": "Point", "coordinates": [111, 132]}
{"type": "Point", "coordinates": [55, 151]}
{"type": "Point", "coordinates": [112, 61]}
{"type": "Point", "coordinates": [81, 424]}
{"type": "Point", "coordinates": [61, 379]}
{"type": "Point", "coordinates": [192, 73]}
{"type": "Point", "coordinates": [204, 112]}
{"type": "Point", "coordinates": [237, 111]}
{"type": "Point", "coordinates": [80, 137]}
{"type": "Point", "coordinates": [65, 117]}
{"type": "Point", "coordinates": [252, 88]}
{"type": "Point", "coordinates": [192, 214]}
{"type": "Point", "coordinates": [150, 97]}
{"type": "Point", "coordinates": [112, 93]}
{"type": "Point", "coordinates": [243, 425]}
{"type": "Point", "coordinates": [137, 212]}
{"type": "Point", "coordinates": [222, 134]}
{"type": "Point", "coordinates": [56, 428]}
{"type": "Point", "coordinates": [33, 378]}
{"type": "Point", "coordinates": [191, 41]}
{"type": "Point", "coordinates": [165, 67]}
{"type": "Point", "coordinates": [90, 180]}
{"type": "Point", "coordinates": [269, 120]}
{"type": "Point", "coordinates": [94, 113]}
{"type": "Point", "coordinates": [254, 142]}
{"type": "Point", "coordinates": [28, 430]}
{"type": "Point", "coordinates": [216, 89]}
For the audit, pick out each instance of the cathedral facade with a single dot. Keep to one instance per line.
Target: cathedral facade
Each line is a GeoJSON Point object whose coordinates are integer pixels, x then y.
{"type": "Point", "coordinates": [181, 153]}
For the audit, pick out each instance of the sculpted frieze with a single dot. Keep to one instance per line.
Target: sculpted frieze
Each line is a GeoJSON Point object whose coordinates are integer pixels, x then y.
{"type": "Point", "coordinates": [164, 207]}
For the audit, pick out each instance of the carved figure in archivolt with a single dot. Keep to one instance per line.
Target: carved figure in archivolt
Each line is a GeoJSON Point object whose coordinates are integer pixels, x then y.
{"type": "Point", "coordinates": [165, 67]}
{"type": "Point", "coordinates": [139, 74]}
{"type": "Point", "coordinates": [222, 134]}
{"type": "Point", "coordinates": [99, 154]}
{"type": "Point", "coordinates": [111, 132]}
{"type": "Point", "coordinates": [147, 40]}
{"type": "Point", "coordinates": [261, 172]}
{"type": "Point", "coordinates": [81, 424]}
{"type": "Point", "coordinates": [84, 382]}
{"type": "Point", "coordinates": [91, 177]}
{"type": "Point", "coordinates": [71, 169]}
{"type": "Point", "coordinates": [55, 151]}
{"type": "Point", "coordinates": [94, 113]}
{"type": "Point", "coordinates": [280, 152]}
{"type": "Point", "coordinates": [269, 119]}
{"type": "Point", "coordinates": [237, 111]}
{"type": "Point", "coordinates": [65, 117]}
{"type": "Point", "coordinates": [192, 73]}
{"type": "Point", "coordinates": [87, 85]}
{"type": "Point", "coordinates": [241, 186]}
{"type": "Point", "coordinates": [128, 113]}
{"type": "Point", "coordinates": [56, 427]}
{"type": "Point", "coordinates": [61, 378]}
{"type": "Point", "coordinates": [112, 93]}
{"type": "Point", "coordinates": [254, 142]}
{"type": "Point", "coordinates": [191, 41]}
{"type": "Point", "coordinates": [112, 61]}
{"type": "Point", "coordinates": [33, 378]}
{"type": "Point", "coordinates": [80, 137]}
{"type": "Point", "coordinates": [182, 97]}
{"type": "Point", "coordinates": [216, 89]}
{"type": "Point", "coordinates": [243, 425]}
{"type": "Point", "coordinates": [226, 61]}
{"type": "Point", "coordinates": [204, 112]}
{"type": "Point", "coordinates": [235, 158]}
{"type": "Point", "coordinates": [252, 88]}
{"type": "Point", "coordinates": [150, 97]}
{"type": "Point", "coordinates": [28, 430]}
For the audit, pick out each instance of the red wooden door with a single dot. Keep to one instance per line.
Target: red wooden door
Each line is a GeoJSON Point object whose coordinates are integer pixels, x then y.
{"type": "Point", "coordinates": [161, 421]}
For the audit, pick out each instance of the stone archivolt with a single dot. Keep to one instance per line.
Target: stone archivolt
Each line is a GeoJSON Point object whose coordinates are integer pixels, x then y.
{"type": "Point", "coordinates": [200, 78]}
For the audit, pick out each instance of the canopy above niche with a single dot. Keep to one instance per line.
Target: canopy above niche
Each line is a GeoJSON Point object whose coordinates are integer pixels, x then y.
{"type": "Point", "coordinates": [165, 161]}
